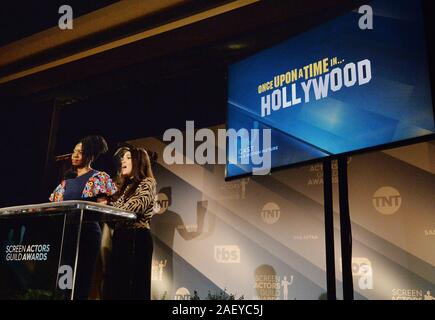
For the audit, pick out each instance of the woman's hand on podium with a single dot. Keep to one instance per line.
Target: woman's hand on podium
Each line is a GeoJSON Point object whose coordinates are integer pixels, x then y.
{"type": "Point", "coordinates": [102, 200]}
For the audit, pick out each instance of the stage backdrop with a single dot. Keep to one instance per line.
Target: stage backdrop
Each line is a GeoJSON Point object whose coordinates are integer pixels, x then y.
{"type": "Point", "coordinates": [263, 237]}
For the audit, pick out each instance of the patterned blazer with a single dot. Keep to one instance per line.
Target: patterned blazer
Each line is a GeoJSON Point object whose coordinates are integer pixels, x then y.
{"type": "Point", "coordinates": [99, 183]}
{"type": "Point", "coordinates": [140, 202]}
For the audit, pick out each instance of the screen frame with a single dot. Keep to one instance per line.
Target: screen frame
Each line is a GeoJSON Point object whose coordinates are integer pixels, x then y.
{"type": "Point", "coordinates": [427, 5]}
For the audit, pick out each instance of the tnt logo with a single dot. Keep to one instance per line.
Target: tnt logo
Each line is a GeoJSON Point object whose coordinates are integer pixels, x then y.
{"type": "Point", "coordinates": [270, 213]}
{"type": "Point", "coordinates": [227, 254]}
{"type": "Point", "coordinates": [182, 294]}
{"type": "Point", "coordinates": [161, 203]}
{"type": "Point", "coordinates": [362, 268]}
{"type": "Point", "coordinates": [387, 200]}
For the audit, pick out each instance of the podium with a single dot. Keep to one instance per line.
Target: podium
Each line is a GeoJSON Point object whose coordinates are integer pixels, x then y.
{"type": "Point", "coordinates": [41, 246]}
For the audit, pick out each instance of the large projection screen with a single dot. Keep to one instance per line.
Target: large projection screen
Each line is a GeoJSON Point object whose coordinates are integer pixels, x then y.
{"type": "Point", "coordinates": [349, 85]}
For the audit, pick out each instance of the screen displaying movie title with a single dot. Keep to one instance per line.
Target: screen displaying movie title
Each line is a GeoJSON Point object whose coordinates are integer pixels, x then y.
{"type": "Point", "coordinates": [356, 82]}
{"type": "Point", "coordinates": [30, 252]}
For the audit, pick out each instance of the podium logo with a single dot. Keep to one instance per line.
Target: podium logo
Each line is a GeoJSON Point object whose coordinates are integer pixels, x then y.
{"type": "Point", "coordinates": [387, 200]}
{"type": "Point", "coordinates": [182, 294]}
{"type": "Point", "coordinates": [161, 204]}
{"type": "Point", "coordinates": [270, 213]}
{"type": "Point", "coordinates": [227, 254]}
{"type": "Point", "coordinates": [19, 236]}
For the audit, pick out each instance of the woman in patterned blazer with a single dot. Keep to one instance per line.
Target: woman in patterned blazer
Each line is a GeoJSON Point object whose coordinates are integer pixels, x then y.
{"type": "Point", "coordinates": [129, 270]}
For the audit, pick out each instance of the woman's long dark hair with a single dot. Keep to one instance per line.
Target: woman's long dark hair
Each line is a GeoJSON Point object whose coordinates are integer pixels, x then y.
{"type": "Point", "coordinates": [141, 169]}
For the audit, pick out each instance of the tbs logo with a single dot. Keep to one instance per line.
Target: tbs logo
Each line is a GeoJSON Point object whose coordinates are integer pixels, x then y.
{"type": "Point", "coordinates": [387, 200]}
{"type": "Point", "coordinates": [227, 254]}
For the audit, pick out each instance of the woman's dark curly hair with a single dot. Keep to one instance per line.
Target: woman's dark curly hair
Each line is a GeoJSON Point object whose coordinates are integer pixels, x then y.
{"type": "Point", "coordinates": [93, 147]}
